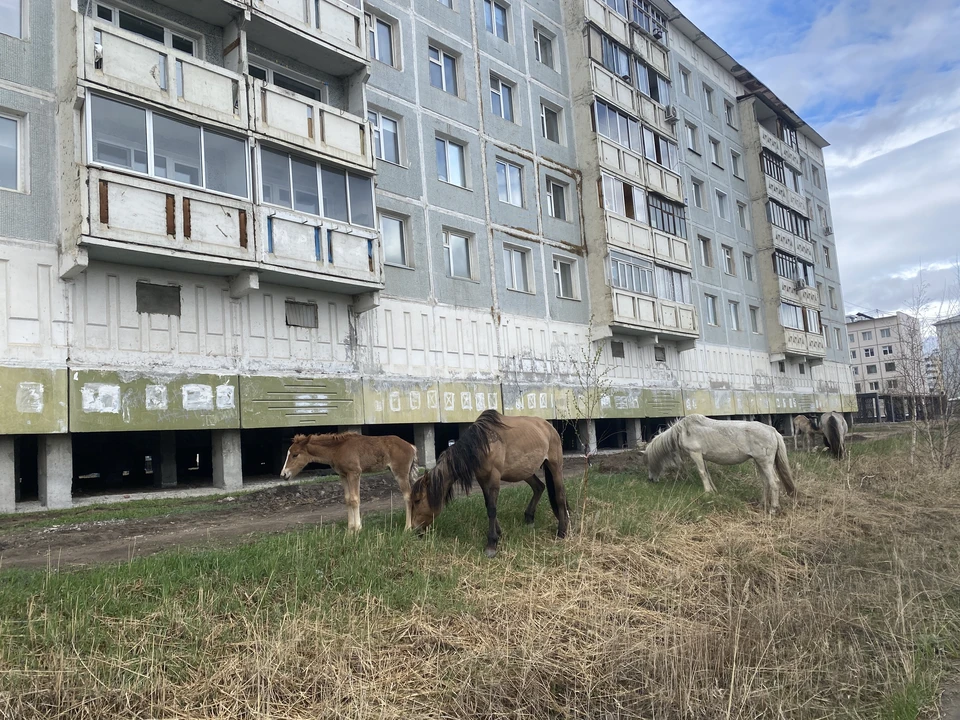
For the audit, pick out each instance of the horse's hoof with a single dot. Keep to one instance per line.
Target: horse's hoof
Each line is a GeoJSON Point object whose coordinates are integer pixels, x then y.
{"type": "Point", "coordinates": [528, 519]}
{"type": "Point", "coordinates": [561, 534]}
{"type": "Point", "coordinates": [490, 552]}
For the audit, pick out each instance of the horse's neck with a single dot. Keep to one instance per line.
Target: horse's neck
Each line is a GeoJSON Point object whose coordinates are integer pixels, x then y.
{"type": "Point", "coordinates": [320, 451]}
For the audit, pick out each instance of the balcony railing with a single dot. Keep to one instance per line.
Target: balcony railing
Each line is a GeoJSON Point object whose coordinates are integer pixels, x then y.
{"type": "Point", "coordinates": [809, 296]}
{"type": "Point", "coordinates": [645, 240]}
{"type": "Point", "coordinates": [654, 54]}
{"type": "Point", "coordinates": [798, 342]}
{"type": "Point", "coordinates": [654, 314]}
{"type": "Point", "coordinates": [664, 181]}
{"type": "Point", "coordinates": [334, 22]}
{"type": "Point", "coordinates": [612, 22]}
{"type": "Point", "coordinates": [616, 89]}
{"type": "Point", "coordinates": [298, 120]}
{"type": "Point", "coordinates": [132, 64]}
{"type": "Point", "coordinates": [619, 158]}
{"type": "Point", "coordinates": [656, 115]}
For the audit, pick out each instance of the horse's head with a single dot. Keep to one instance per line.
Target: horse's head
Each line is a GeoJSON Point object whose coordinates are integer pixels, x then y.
{"type": "Point", "coordinates": [422, 513]}
{"type": "Point", "coordinates": [297, 458]}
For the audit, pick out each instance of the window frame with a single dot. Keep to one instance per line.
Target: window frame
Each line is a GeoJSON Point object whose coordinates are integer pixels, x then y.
{"type": "Point", "coordinates": [20, 152]}
{"type": "Point", "coordinates": [756, 324]}
{"type": "Point", "coordinates": [506, 108]}
{"type": "Point", "coordinates": [733, 308]}
{"type": "Point", "coordinates": [538, 33]}
{"type": "Point", "coordinates": [716, 151]}
{"type": "Point", "coordinates": [685, 81]}
{"type": "Point", "coordinates": [697, 192]}
{"type": "Point", "coordinates": [442, 54]}
{"type": "Point", "coordinates": [490, 21]}
{"type": "Point", "coordinates": [552, 184]}
{"type": "Point", "coordinates": [742, 217]}
{"type": "Point", "coordinates": [615, 194]}
{"type": "Point", "coordinates": [376, 21]}
{"type": "Point", "coordinates": [169, 30]}
{"type": "Point", "coordinates": [548, 107]}
{"type": "Point", "coordinates": [631, 274]}
{"type": "Point", "coordinates": [748, 266]}
{"type": "Point", "coordinates": [470, 243]}
{"type": "Point", "coordinates": [404, 249]}
{"type": "Point", "coordinates": [736, 164]}
{"type": "Point", "coordinates": [271, 70]}
{"type": "Point", "coordinates": [377, 138]}
{"type": "Point", "coordinates": [559, 260]}
{"type": "Point", "coordinates": [706, 251]}
{"type": "Point", "coordinates": [447, 142]}
{"type": "Point", "coordinates": [710, 311]}
{"type": "Point", "coordinates": [729, 261]}
{"type": "Point", "coordinates": [507, 167]}
{"type": "Point", "coordinates": [708, 99]}
{"type": "Point", "coordinates": [526, 257]}
{"type": "Point", "coordinates": [692, 136]}
{"type": "Point", "coordinates": [21, 28]}
{"type": "Point", "coordinates": [729, 113]}
{"type": "Point", "coordinates": [722, 206]}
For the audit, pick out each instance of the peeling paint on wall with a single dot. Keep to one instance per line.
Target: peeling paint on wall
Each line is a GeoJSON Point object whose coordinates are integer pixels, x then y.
{"type": "Point", "coordinates": [225, 397]}
{"type": "Point", "coordinates": [197, 397]}
{"type": "Point", "coordinates": [156, 397]}
{"type": "Point", "coordinates": [30, 397]}
{"type": "Point", "coordinates": [100, 398]}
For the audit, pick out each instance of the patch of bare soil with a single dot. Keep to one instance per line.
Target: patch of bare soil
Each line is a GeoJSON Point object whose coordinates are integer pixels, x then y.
{"type": "Point", "coordinates": [270, 510]}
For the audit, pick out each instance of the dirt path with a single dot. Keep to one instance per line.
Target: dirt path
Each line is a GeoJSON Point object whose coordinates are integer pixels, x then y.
{"type": "Point", "coordinates": [266, 511]}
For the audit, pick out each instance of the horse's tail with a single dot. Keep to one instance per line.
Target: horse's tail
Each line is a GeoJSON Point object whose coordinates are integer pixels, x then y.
{"type": "Point", "coordinates": [834, 437]}
{"type": "Point", "coordinates": [782, 466]}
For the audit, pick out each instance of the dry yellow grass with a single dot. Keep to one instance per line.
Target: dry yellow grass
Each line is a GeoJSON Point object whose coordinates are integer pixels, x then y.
{"type": "Point", "coordinates": [847, 606]}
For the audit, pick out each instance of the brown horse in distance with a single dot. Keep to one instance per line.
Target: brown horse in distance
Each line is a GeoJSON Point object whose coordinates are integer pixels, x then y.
{"type": "Point", "coordinates": [350, 454]}
{"type": "Point", "coordinates": [495, 449]}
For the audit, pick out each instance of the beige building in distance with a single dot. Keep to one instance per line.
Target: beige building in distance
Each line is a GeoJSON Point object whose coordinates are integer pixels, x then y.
{"type": "Point", "coordinates": [882, 352]}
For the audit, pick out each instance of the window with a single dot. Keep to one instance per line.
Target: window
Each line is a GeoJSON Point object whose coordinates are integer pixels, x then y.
{"type": "Point", "coordinates": [890, 367]}
{"type": "Point", "coordinates": [302, 314]}
{"type": "Point", "coordinates": [659, 353]}
{"type": "Point", "coordinates": [823, 216]}
{"type": "Point", "coordinates": [856, 370]}
{"type": "Point", "coordinates": [386, 137]}
{"type": "Point", "coordinates": [9, 152]}
{"type": "Point", "coordinates": [813, 321]}
{"type": "Point", "coordinates": [660, 150]}
{"type": "Point", "coordinates": [884, 332]}
{"type": "Point", "coordinates": [509, 183]}
{"type": "Point", "coordinates": [652, 84]}
{"type": "Point", "coordinates": [556, 199]}
{"type": "Point", "coordinates": [729, 264]}
{"type": "Point", "coordinates": [563, 271]}
{"type": "Point", "coordinates": [670, 217]}
{"type": "Point", "coordinates": [850, 337]}
{"type": "Point", "coordinates": [261, 70]}
{"type": "Point", "coordinates": [820, 292]}
{"type": "Point", "coordinates": [708, 99]}
{"type": "Point", "coordinates": [791, 316]}
{"type": "Point", "coordinates": [457, 252]}
{"type": "Point", "coordinates": [857, 387]}
{"type": "Point", "coordinates": [292, 182]}
{"type": "Point", "coordinates": [711, 309]}
{"type": "Point", "coordinates": [816, 176]}
{"type": "Point", "coordinates": [380, 39]}
{"type": "Point", "coordinates": [692, 136]}
{"type": "Point", "coordinates": [124, 21]}
{"type": "Point", "coordinates": [755, 320]}
{"type": "Point", "coordinates": [887, 349]}
{"type": "Point", "coordinates": [450, 162]}
{"type": "Point", "coordinates": [787, 134]}
{"type": "Point", "coordinates": [495, 17]}
{"type": "Point", "coordinates": [515, 262]}
{"type": "Point", "coordinates": [781, 366]}
{"type": "Point", "coordinates": [788, 219]}
{"type": "Point", "coordinates": [443, 71]}
{"type": "Point", "coordinates": [394, 240]}
{"type": "Point", "coordinates": [631, 274]}
{"type": "Point", "coordinates": [773, 166]}
{"type": "Point", "coordinates": [673, 285]}
{"type": "Point", "coordinates": [650, 19]}
{"type": "Point", "coordinates": [734, 308]}
{"type": "Point", "coordinates": [706, 251]}
{"type": "Point", "coordinates": [10, 18]}
{"type": "Point", "coordinates": [742, 215]}
{"type": "Point", "coordinates": [735, 164]}
{"type": "Point", "coordinates": [550, 122]}
{"type": "Point", "coordinates": [614, 125]}
{"type": "Point", "coordinates": [715, 152]}
{"type": "Point", "coordinates": [853, 354]}
{"type": "Point", "coordinates": [826, 257]}
{"type": "Point", "coordinates": [685, 81]}
{"type": "Point", "coordinates": [698, 193]}
{"type": "Point", "coordinates": [501, 98]}
{"type": "Point", "coordinates": [446, 3]}
{"type": "Point", "coordinates": [785, 265]}
{"type": "Point", "coordinates": [728, 113]}
{"type": "Point", "coordinates": [871, 369]}
{"type": "Point", "coordinates": [623, 198]}
{"type": "Point", "coordinates": [869, 352]}
{"type": "Point", "coordinates": [875, 386]}
{"type": "Point", "coordinates": [543, 47]}
{"type": "Point", "coordinates": [183, 153]}
{"type": "Point", "coordinates": [839, 338]}
{"type": "Point", "coordinates": [867, 335]}
{"type": "Point", "coordinates": [154, 299]}
{"type": "Point", "coordinates": [833, 297]}
{"type": "Point", "coordinates": [748, 266]}
{"type": "Point", "coordinates": [722, 204]}
{"type": "Point", "coordinates": [616, 59]}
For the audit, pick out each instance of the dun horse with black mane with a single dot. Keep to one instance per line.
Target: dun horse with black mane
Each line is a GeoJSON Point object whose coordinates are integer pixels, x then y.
{"type": "Point", "coordinates": [834, 429]}
{"type": "Point", "coordinates": [350, 454]}
{"type": "Point", "coordinates": [496, 449]}
{"type": "Point", "coordinates": [725, 442]}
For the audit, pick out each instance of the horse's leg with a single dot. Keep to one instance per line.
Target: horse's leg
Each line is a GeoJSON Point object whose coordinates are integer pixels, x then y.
{"type": "Point", "coordinates": [491, 492]}
{"type": "Point", "coordinates": [702, 469]}
{"type": "Point", "coordinates": [403, 480]}
{"type": "Point", "coordinates": [771, 494]}
{"type": "Point", "coordinates": [553, 472]}
{"type": "Point", "coordinates": [351, 498]}
{"type": "Point", "coordinates": [537, 487]}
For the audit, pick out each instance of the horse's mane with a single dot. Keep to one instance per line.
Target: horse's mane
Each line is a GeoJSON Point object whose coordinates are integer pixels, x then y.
{"type": "Point", "coordinates": [325, 437]}
{"type": "Point", "coordinates": [664, 445]}
{"type": "Point", "coordinates": [459, 462]}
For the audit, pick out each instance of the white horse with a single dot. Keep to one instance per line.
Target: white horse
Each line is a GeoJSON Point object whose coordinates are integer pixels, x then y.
{"type": "Point", "coordinates": [725, 442]}
{"type": "Point", "coordinates": [834, 429]}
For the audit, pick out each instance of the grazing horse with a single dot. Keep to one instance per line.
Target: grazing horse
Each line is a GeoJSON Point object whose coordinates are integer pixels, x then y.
{"type": "Point", "coordinates": [804, 428]}
{"type": "Point", "coordinates": [350, 454]}
{"type": "Point", "coordinates": [834, 429]}
{"type": "Point", "coordinates": [725, 442]}
{"type": "Point", "coordinates": [496, 449]}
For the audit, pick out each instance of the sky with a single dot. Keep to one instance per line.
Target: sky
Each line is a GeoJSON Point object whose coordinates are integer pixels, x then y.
{"type": "Point", "coordinates": [880, 81]}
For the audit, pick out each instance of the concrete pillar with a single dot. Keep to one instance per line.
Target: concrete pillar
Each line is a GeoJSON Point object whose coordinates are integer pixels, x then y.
{"type": "Point", "coordinates": [788, 425]}
{"type": "Point", "coordinates": [587, 432]}
{"type": "Point", "coordinates": [848, 416]}
{"type": "Point", "coordinates": [8, 475]}
{"type": "Point", "coordinates": [424, 438]}
{"type": "Point", "coordinates": [634, 433]}
{"type": "Point", "coordinates": [167, 477]}
{"type": "Point", "coordinates": [55, 463]}
{"type": "Point", "coordinates": [351, 428]}
{"type": "Point", "coordinates": [227, 463]}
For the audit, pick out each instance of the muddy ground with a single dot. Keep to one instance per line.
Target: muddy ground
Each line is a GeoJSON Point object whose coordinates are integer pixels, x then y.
{"type": "Point", "coordinates": [231, 518]}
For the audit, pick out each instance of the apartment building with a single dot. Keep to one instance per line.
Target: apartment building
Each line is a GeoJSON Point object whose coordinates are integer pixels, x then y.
{"type": "Point", "coordinates": [224, 221]}
{"type": "Point", "coordinates": [886, 354]}
{"type": "Point", "coordinates": [947, 361]}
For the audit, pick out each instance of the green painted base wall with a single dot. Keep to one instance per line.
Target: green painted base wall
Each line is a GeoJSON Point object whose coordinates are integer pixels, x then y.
{"type": "Point", "coordinates": [33, 401]}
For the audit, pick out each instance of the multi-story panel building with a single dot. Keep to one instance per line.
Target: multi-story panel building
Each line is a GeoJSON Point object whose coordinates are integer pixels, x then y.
{"type": "Point", "coordinates": [886, 354]}
{"type": "Point", "coordinates": [223, 220]}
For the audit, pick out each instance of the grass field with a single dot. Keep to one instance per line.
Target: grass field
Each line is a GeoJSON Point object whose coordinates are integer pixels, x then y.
{"type": "Point", "coordinates": [668, 604]}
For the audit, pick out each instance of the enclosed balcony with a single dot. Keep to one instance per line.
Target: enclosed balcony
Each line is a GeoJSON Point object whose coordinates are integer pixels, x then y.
{"type": "Point", "coordinates": [650, 298]}
{"type": "Point", "coordinates": [306, 123]}
{"type": "Point", "coordinates": [611, 22]}
{"type": "Point", "coordinates": [324, 34]}
{"type": "Point", "coordinates": [641, 238]}
{"type": "Point", "coordinates": [140, 67]}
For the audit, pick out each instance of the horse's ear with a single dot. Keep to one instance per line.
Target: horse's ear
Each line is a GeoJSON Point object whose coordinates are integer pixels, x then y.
{"type": "Point", "coordinates": [299, 438]}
